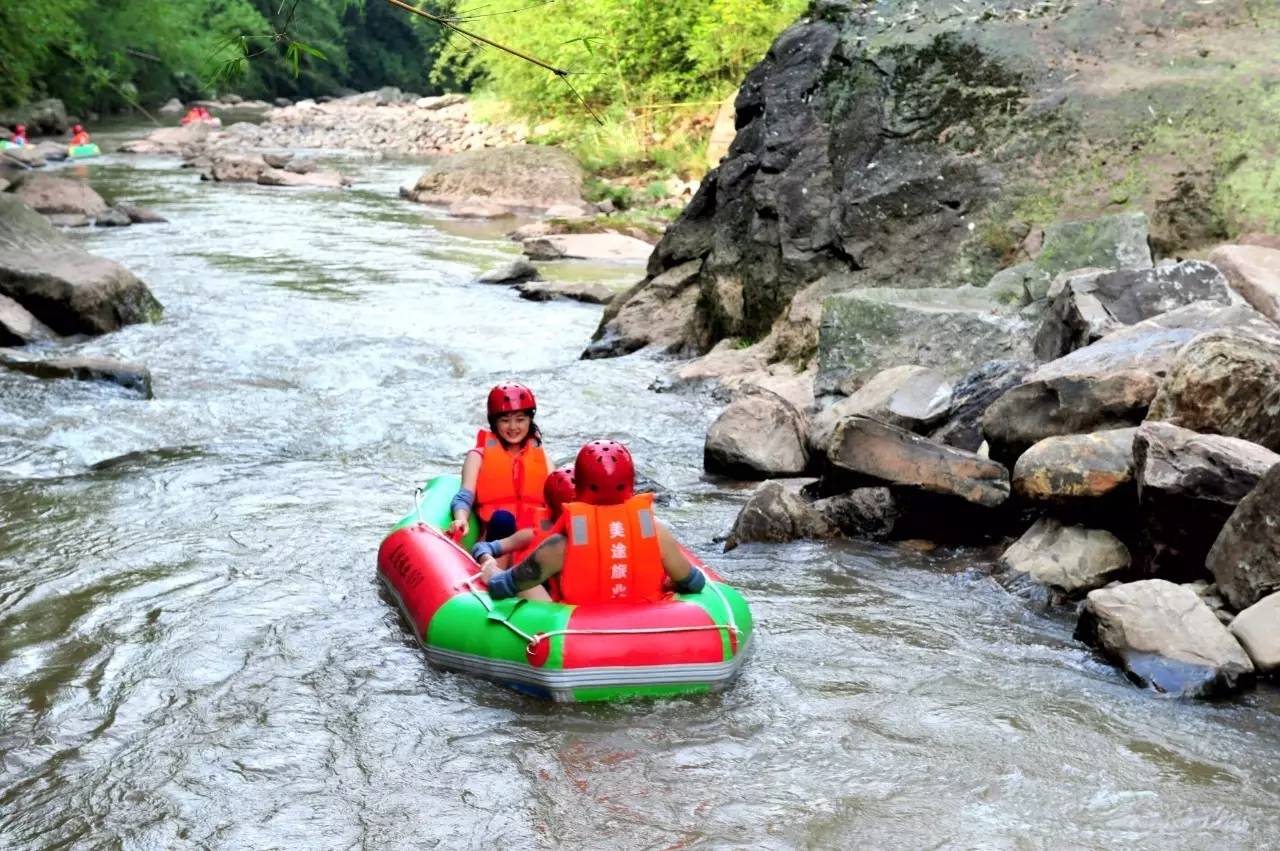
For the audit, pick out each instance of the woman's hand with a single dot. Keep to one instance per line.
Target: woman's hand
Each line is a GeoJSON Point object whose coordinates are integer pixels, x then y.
{"type": "Point", "coordinates": [458, 527]}
{"type": "Point", "coordinates": [488, 568]}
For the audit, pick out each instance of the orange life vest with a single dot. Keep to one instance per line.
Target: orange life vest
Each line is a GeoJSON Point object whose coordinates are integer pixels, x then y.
{"type": "Point", "coordinates": [80, 139]}
{"type": "Point", "coordinates": [611, 553]}
{"type": "Point", "coordinates": [510, 480]}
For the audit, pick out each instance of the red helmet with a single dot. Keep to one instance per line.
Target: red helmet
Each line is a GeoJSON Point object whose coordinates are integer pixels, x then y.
{"type": "Point", "coordinates": [21, 128]}
{"type": "Point", "coordinates": [559, 488]}
{"type": "Point", "coordinates": [506, 398]}
{"type": "Point", "coordinates": [77, 129]}
{"type": "Point", "coordinates": [604, 473]}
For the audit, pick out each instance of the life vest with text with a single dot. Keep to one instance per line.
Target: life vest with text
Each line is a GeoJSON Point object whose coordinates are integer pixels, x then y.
{"type": "Point", "coordinates": [510, 479]}
{"type": "Point", "coordinates": [611, 553]}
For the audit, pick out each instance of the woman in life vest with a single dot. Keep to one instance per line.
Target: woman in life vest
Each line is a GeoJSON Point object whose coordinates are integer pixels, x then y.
{"type": "Point", "coordinates": [504, 473]}
{"type": "Point", "coordinates": [78, 136]}
{"type": "Point", "coordinates": [558, 491]}
{"type": "Point", "coordinates": [607, 546]}
{"type": "Point", "coordinates": [19, 136]}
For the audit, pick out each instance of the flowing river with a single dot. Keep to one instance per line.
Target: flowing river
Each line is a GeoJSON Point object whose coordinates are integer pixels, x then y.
{"type": "Point", "coordinates": [195, 652]}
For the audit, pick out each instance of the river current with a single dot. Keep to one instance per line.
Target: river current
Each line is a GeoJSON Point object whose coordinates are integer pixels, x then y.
{"type": "Point", "coordinates": [195, 652]}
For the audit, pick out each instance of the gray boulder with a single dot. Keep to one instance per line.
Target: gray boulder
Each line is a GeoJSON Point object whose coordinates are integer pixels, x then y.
{"type": "Point", "coordinates": [514, 176]}
{"type": "Point", "coordinates": [18, 327]}
{"type": "Point", "coordinates": [54, 152]}
{"type": "Point", "coordinates": [970, 398]}
{"type": "Point", "coordinates": [776, 513]}
{"type": "Point", "coordinates": [1245, 559]}
{"type": "Point", "coordinates": [910, 397]}
{"type": "Point", "coordinates": [140, 215]}
{"type": "Point", "coordinates": [1092, 305]}
{"type": "Point", "coordinates": [67, 289]}
{"type": "Point", "coordinates": [1109, 242]}
{"type": "Point", "coordinates": [27, 155]}
{"type": "Point", "coordinates": [1188, 486]}
{"type": "Point", "coordinates": [1066, 560]}
{"type": "Point", "coordinates": [171, 107]}
{"type": "Point", "coordinates": [515, 272]}
{"type": "Point", "coordinates": [866, 447]}
{"type": "Point", "coordinates": [132, 376]}
{"type": "Point", "coordinates": [864, 331]}
{"type": "Point", "coordinates": [43, 118]}
{"type": "Point", "coordinates": [45, 193]}
{"type": "Point", "coordinates": [757, 436]}
{"type": "Point", "coordinates": [1256, 630]}
{"type": "Point", "coordinates": [1254, 272]}
{"type": "Point", "coordinates": [1165, 638]}
{"type": "Point", "coordinates": [587, 292]}
{"type": "Point", "coordinates": [1224, 383]}
{"type": "Point", "coordinates": [867, 513]}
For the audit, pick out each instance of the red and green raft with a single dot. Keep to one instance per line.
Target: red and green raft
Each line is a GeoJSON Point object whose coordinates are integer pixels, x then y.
{"type": "Point", "coordinates": [686, 644]}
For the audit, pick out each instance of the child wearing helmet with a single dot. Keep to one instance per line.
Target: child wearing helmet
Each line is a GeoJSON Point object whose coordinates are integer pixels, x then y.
{"type": "Point", "coordinates": [78, 136]}
{"type": "Point", "coordinates": [607, 546]}
{"type": "Point", "coordinates": [19, 136]}
{"type": "Point", "coordinates": [513, 548]}
{"type": "Point", "coordinates": [504, 474]}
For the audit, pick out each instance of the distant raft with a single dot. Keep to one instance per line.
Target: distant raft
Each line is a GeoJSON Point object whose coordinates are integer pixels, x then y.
{"type": "Point", "coordinates": [688, 643]}
{"type": "Point", "coordinates": [80, 152]}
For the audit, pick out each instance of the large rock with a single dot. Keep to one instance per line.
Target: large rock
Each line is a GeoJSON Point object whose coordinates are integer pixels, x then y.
{"type": "Point", "coordinates": [656, 314]}
{"type": "Point", "coordinates": [1245, 559]}
{"type": "Point", "coordinates": [912, 145]}
{"type": "Point", "coordinates": [1254, 272]}
{"type": "Point", "coordinates": [1257, 629]}
{"type": "Point", "coordinates": [67, 289]}
{"type": "Point", "coordinates": [587, 292]}
{"type": "Point", "coordinates": [867, 513]}
{"type": "Point", "coordinates": [866, 447]}
{"type": "Point", "coordinates": [757, 437]}
{"type": "Point", "coordinates": [1188, 485]}
{"type": "Point", "coordinates": [865, 331]}
{"type": "Point", "coordinates": [514, 176]}
{"type": "Point", "coordinates": [1224, 383]}
{"type": "Point", "coordinates": [777, 513]}
{"type": "Point", "coordinates": [910, 397]}
{"type": "Point", "coordinates": [172, 107]}
{"type": "Point", "coordinates": [1090, 306]}
{"type": "Point", "coordinates": [321, 179]}
{"type": "Point", "coordinates": [43, 118]}
{"type": "Point", "coordinates": [1068, 560]}
{"type": "Point", "coordinates": [170, 140]}
{"type": "Point", "coordinates": [588, 246]}
{"type": "Point", "coordinates": [1111, 242]}
{"type": "Point", "coordinates": [26, 155]}
{"type": "Point", "coordinates": [1076, 466]}
{"type": "Point", "coordinates": [132, 376]}
{"type": "Point", "coordinates": [1165, 638]}
{"type": "Point", "coordinates": [971, 396]}
{"type": "Point", "coordinates": [18, 327]}
{"type": "Point", "coordinates": [515, 272]}
{"type": "Point", "coordinates": [235, 168]}
{"type": "Point", "coordinates": [1109, 384]}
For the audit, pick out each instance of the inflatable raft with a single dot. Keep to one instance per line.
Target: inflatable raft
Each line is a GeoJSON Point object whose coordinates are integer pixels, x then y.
{"type": "Point", "coordinates": [79, 152]}
{"type": "Point", "coordinates": [687, 644]}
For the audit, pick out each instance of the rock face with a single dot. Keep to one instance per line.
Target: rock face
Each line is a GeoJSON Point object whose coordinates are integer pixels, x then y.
{"type": "Point", "coordinates": [1070, 560]}
{"type": "Point", "coordinates": [1254, 272]}
{"type": "Point", "coordinates": [865, 447]}
{"type": "Point", "coordinates": [658, 315]}
{"type": "Point", "coordinates": [1165, 638]}
{"type": "Point", "coordinates": [18, 327]}
{"type": "Point", "coordinates": [1224, 383]}
{"type": "Point", "coordinates": [43, 118]}
{"type": "Point", "coordinates": [67, 289]}
{"type": "Point", "coordinates": [1090, 306]}
{"type": "Point", "coordinates": [910, 397]}
{"type": "Point", "coordinates": [906, 144]}
{"type": "Point", "coordinates": [1245, 559]}
{"type": "Point", "coordinates": [1188, 485]}
{"type": "Point", "coordinates": [1109, 384]}
{"type": "Point", "coordinates": [515, 176]}
{"type": "Point", "coordinates": [1077, 466]}
{"type": "Point", "coordinates": [757, 437]}
{"type": "Point", "coordinates": [954, 330]}
{"type": "Point", "coordinates": [45, 193]}
{"type": "Point", "coordinates": [1255, 629]}
{"type": "Point", "coordinates": [776, 514]}
{"type": "Point", "coordinates": [970, 398]}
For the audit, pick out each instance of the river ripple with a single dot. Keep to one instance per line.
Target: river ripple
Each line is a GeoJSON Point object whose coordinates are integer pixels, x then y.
{"type": "Point", "coordinates": [194, 652]}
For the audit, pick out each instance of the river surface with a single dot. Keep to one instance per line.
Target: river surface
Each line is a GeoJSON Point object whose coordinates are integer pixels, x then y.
{"type": "Point", "coordinates": [195, 652]}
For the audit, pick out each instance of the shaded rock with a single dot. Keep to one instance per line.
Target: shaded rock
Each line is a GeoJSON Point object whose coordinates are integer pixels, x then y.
{"type": "Point", "coordinates": [1077, 466]}
{"type": "Point", "coordinates": [1254, 272]}
{"type": "Point", "coordinates": [530, 230]}
{"type": "Point", "coordinates": [27, 155]}
{"type": "Point", "coordinates": [864, 331]}
{"type": "Point", "coordinates": [588, 246]}
{"type": "Point", "coordinates": [775, 514]}
{"type": "Point", "coordinates": [657, 313]}
{"type": "Point", "coordinates": [865, 513]}
{"type": "Point", "coordinates": [1188, 485]}
{"type": "Point", "coordinates": [909, 397]}
{"type": "Point", "coordinates": [1166, 639]}
{"type": "Point", "coordinates": [1245, 559]}
{"type": "Point", "coordinates": [1068, 560]}
{"type": "Point", "coordinates": [1224, 383]}
{"type": "Point", "coordinates": [301, 166]}
{"type": "Point", "coordinates": [757, 437]}
{"type": "Point", "coordinates": [589, 292]}
{"type": "Point", "coordinates": [281, 102]}
{"type": "Point", "coordinates": [1109, 384]}
{"type": "Point", "coordinates": [729, 371]}
{"type": "Point", "coordinates": [515, 176]}
{"type": "Point", "coordinates": [236, 168]}
{"type": "Point", "coordinates": [172, 106]}
{"type": "Point", "coordinates": [277, 160]}
{"type": "Point", "coordinates": [865, 447]}
{"type": "Point", "coordinates": [515, 272]}
{"type": "Point", "coordinates": [67, 289]}
{"type": "Point", "coordinates": [45, 193]}
{"type": "Point", "coordinates": [43, 117]}
{"type": "Point", "coordinates": [54, 152]}
{"type": "Point", "coordinates": [971, 395]}
{"type": "Point", "coordinates": [128, 375]}
{"type": "Point", "coordinates": [169, 140]}
{"type": "Point", "coordinates": [322, 179]}
{"type": "Point", "coordinates": [140, 215]}
{"type": "Point", "coordinates": [113, 218]}
{"type": "Point", "coordinates": [1257, 629]}
{"type": "Point", "coordinates": [1092, 305]}
{"type": "Point", "coordinates": [18, 327]}
{"type": "Point", "coordinates": [1109, 242]}
{"type": "Point", "coordinates": [478, 208]}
